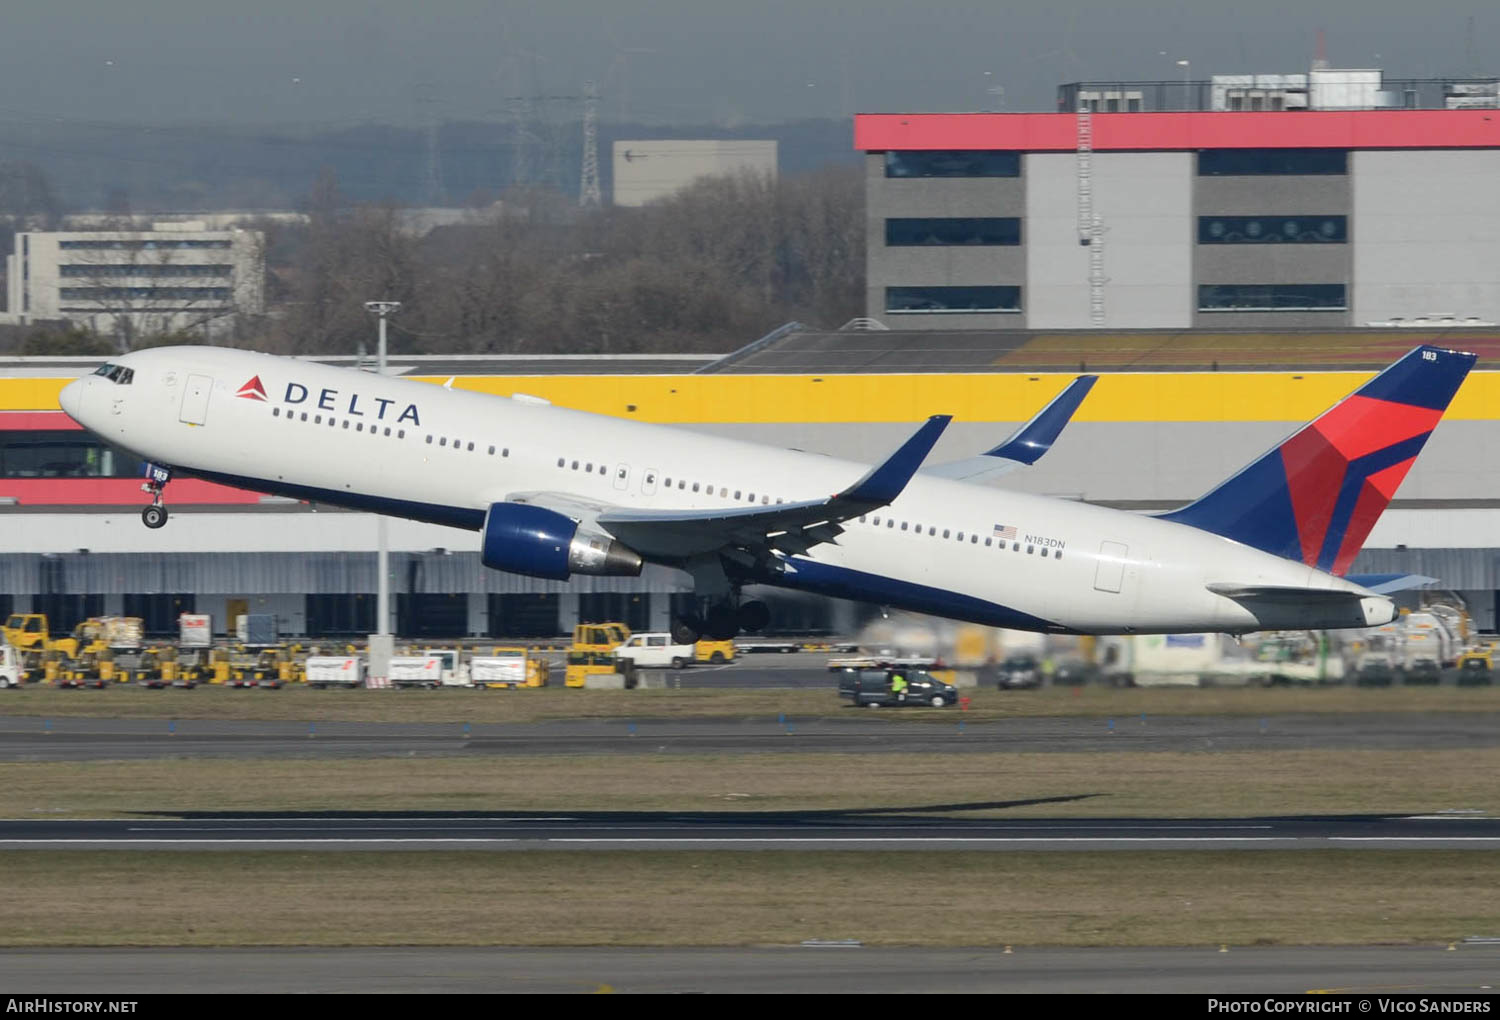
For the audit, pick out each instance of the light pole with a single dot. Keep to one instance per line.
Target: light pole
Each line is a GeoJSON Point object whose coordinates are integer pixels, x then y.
{"type": "Point", "coordinates": [1187, 66]}
{"type": "Point", "coordinates": [382, 644]}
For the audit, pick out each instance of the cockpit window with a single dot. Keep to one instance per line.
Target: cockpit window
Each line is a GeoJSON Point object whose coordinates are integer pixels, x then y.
{"type": "Point", "coordinates": [117, 374]}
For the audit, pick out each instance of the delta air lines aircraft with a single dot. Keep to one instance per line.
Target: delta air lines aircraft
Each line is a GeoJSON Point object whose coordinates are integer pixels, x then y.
{"type": "Point", "coordinates": [554, 492]}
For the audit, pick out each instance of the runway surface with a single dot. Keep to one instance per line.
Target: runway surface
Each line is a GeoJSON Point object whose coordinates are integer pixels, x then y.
{"type": "Point", "coordinates": [893, 829]}
{"type": "Point", "coordinates": [31, 738]}
{"type": "Point", "coordinates": [1469, 969]}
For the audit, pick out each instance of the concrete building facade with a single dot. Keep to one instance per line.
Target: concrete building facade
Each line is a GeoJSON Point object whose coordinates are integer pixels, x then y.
{"type": "Point", "coordinates": [1218, 219]}
{"type": "Point", "coordinates": [175, 278]}
{"type": "Point", "coordinates": [647, 170]}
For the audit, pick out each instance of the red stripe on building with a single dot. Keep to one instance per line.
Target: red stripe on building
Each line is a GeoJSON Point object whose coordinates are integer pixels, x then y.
{"type": "Point", "coordinates": [1304, 129]}
{"type": "Point", "coordinates": [118, 492]}
{"type": "Point", "coordinates": [37, 421]}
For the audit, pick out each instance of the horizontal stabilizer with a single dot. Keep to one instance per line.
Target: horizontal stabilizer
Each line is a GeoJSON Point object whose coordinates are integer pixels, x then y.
{"type": "Point", "coordinates": [1273, 593]}
{"type": "Point", "coordinates": [1384, 584]}
{"type": "Point", "coordinates": [1027, 444]}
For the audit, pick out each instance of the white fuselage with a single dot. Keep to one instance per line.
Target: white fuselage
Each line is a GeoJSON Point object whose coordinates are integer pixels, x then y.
{"type": "Point", "coordinates": [352, 438]}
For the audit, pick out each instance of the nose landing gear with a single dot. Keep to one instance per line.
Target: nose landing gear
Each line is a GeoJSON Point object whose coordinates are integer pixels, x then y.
{"type": "Point", "coordinates": [155, 515]}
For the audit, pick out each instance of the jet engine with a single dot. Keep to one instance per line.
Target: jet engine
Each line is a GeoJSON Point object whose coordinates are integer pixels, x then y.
{"type": "Point", "coordinates": [526, 539]}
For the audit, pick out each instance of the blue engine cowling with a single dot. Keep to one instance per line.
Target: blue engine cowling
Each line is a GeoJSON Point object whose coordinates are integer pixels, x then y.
{"type": "Point", "coordinates": [525, 539]}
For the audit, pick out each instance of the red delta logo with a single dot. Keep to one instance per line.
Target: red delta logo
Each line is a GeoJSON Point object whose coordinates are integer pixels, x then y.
{"type": "Point", "coordinates": [252, 390]}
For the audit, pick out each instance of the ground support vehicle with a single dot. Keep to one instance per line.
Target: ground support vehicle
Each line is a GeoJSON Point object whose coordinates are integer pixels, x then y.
{"type": "Point", "coordinates": [1475, 667]}
{"type": "Point", "coordinates": [1019, 673]}
{"type": "Point", "coordinates": [435, 667]}
{"type": "Point", "coordinates": [872, 688]}
{"type": "Point", "coordinates": [656, 651]}
{"type": "Point", "coordinates": [508, 668]}
{"type": "Point", "coordinates": [335, 671]}
{"type": "Point", "coordinates": [714, 652]}
{"type": "Point", "coordinates": [10, 666]}
{"type": "Point", "coordinates": [583, 665]}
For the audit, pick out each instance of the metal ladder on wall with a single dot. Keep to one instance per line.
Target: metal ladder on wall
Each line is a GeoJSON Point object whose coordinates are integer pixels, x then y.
{"type": "Point", "coordinates": [1090, 227]}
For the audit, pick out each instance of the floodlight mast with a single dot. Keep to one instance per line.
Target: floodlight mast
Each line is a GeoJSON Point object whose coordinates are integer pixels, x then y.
{"type": "Point", "coordinates": [382, 645]}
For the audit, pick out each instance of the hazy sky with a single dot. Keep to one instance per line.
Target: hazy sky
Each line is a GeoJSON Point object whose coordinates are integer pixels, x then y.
{"type": "Point", "coordinates": [672, 61]}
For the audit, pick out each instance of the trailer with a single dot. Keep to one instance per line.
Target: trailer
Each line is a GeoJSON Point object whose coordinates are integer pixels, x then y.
{"type": "Point", "coordinates": [335, 671]}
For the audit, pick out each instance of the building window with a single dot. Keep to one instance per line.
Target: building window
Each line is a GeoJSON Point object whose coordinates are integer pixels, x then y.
{"type": "Point", "coordinates": [1272, 297]}
{"type": "Point", "coordinates": [940, 300]}
{"type": "Point", "coordinates": [953, 163]}
{"type": "Point", "coordinates": [1273, 229]}
{"type": "Point", "coordinates": [116, 269]}
{"type": "Point", "coordinates": [1257, 162]}
{"type": "Point", "coordinates": [945, 230]}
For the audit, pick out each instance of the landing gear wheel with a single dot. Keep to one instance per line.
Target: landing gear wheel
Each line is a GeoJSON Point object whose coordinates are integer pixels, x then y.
{"type": "Point", "coordinates": [753, 616]}
{"type": "Point", "coordinates": [154, 516]}
{"type": "Point", "coordinates": [686, 630]}
{"type": "Point", "coordinates": [723, 624]}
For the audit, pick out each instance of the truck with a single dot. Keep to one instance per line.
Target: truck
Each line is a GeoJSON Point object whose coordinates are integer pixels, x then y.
{"type": "Point", "coordinates": [508, 668]}
{"type": "Point", "coordinates": [335, 671]}
{"type": "Point", "coordinates": [656, 651]}
{"type": "Point", "coordinates": [435, 667]}
{"type": "Point", "coordinates": [10, 666]}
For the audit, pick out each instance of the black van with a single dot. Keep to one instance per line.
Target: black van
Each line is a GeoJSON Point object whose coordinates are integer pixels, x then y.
{"type": "Point", "coordinates": [871, 688]}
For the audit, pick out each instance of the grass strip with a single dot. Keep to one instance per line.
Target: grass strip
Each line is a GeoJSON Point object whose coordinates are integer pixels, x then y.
{"type": "Point", "coordinates": [745, 898]}
{"type": "Point", "coordinates": [986, 704]}
{"type": "Point", "coordinates": [1148, 784]}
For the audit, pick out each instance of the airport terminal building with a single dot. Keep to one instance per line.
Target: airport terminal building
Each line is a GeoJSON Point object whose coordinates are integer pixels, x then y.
{"type": "Point", "coordinates": [1273, 202]}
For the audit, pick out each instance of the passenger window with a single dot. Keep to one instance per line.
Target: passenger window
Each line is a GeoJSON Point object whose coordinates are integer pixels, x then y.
{"type": "Point", "coordinates": [903, 525]}
{"type": "Point", "coordinates": [974, 540]}
{"type": "Point", "coordinates": [505, 451]}
{"type": "Point", "coordinates": [736, 493]}
{"type": "Point", "coordinates": [360, 427]}
{"type": "Point", "coordinates": [575, 465]}
{"type": "Point", "coordinates": [1015, 547]}
{"type": "Point", "coordinates": [492, 451]}
{"type": "Point", "coordinates": [559, 462]}
{"type": "Point", "coordinates": [471, 448]}
{"type": "Point", "coordinates": [890, 522]}
{"type": "Point", "coordinates": [695, 486]}
{"type": "Point", "coordinates": [399, 435]}
{"type": "Point", "coordinates": [318, 420]}
{"type": "Point", "coordinates": [275, 412]}
{"type": "Point", "coordinates": [346, 423]}
{"type": "Point", "coordinates": [945, 532]}
{"type": "Point", "coordinates": [304, 416]}
{"type": "Point", "coordinates": [960, 536]}
{"type": "Point", "coordinates": [988, 541]}
{"type": "Point", "coordinates": [589, 467]}
{"type": "Point", "coordinates": [443, 441]}
{"type": "Point", "coordinates": [1029, 550]}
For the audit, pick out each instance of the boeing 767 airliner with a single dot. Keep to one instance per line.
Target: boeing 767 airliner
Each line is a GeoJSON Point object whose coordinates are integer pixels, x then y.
{"type": "Point", "coordinates": [555, 492]}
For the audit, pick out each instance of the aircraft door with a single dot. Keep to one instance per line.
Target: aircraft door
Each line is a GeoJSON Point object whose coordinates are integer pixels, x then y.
{"type": "Point", "coordinates": [648, 482]}
{"type": "Point", "coordinates": [1110, 574]}
{"type": "Point", "coordinates": [622, 476]}
{"type": "Point", "coordinates": [195, 399]}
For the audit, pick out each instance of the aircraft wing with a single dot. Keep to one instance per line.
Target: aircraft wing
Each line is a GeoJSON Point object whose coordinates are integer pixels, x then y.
{"type": "Point", "coordinates": [1024, 446]}
{"type": "Point", "coordinates": [752, 534]}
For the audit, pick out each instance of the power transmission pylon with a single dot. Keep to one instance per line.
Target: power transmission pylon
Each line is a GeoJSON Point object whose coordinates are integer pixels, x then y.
{"type": "Point", "coordinates": [588, 191]}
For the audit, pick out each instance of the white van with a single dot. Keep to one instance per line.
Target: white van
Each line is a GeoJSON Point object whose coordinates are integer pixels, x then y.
{"type": "Point", "coordinates": [656, 651]}
{"type": "Point", "coordinates": [10, 667]}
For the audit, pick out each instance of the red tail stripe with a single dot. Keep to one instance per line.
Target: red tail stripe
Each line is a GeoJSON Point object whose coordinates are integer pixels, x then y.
{"type": "Point", "coordinates": [1363, 425]}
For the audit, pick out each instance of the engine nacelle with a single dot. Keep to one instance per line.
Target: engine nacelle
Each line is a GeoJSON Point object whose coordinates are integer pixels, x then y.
{"type": "Point", "coordinates": [532, 540]}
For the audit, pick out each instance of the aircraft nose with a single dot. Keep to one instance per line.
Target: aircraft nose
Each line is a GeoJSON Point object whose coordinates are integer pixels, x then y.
{"type": "Point", "coordinates": [70, 399]}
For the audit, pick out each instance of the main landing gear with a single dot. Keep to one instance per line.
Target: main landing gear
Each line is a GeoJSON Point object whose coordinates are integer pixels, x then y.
{"type": "Point", "coordinates": [155, 515]}
{"type": "Point", "coordinates": [721, 622]}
